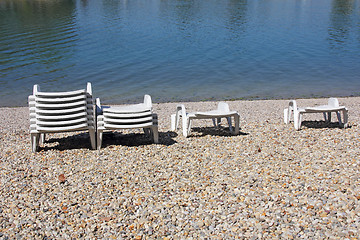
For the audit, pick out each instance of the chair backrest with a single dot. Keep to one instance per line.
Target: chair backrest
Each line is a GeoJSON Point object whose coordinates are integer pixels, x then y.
{"type": "Point", "coordinates": [334, 102]}
{"type": "Point", "coordinates": [61, 111]}
{"type": "Point", "coordinates": [147, 101]}
{"type": "Point", "coordinates": [224, 107]}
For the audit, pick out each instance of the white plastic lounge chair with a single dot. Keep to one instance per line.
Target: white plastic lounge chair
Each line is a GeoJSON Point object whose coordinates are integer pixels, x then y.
{"type": "Point", "coordinates": [222, 111]}
{"type": "Point", "coordinates": [332, 106]}
{"type": "Point", "coordinates": [52, 112]}
{"type": "Point", "coordinates": [127, 117]}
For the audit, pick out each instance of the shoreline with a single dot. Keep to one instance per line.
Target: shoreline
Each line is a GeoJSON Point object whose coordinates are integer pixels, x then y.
{"type": "Point", "coordinates": [269, 181]}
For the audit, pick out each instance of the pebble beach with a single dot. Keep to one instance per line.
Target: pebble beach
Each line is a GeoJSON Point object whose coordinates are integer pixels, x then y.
{"type": "Point", "coordinates": [268, 182]}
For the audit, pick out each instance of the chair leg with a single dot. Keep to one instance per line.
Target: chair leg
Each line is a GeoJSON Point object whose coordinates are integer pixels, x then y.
{"type": "Point", "coordinates": [99, 138]}
{"type": "Point", "coordinates": [178, 119]}
{"type": "Point", "coordinates": [175, 118]}
{"type": "Point", "coordinates": [237, 124]}
{"type": "Point", "coordinates": [187, 128]}
{"type": "Point", "coordinates": [214, 122]}
{"type": "Point", "coordinates": [155, 132]}
{"type": "Point", "coordinates": [185, 125]}
{"type": "Point", "coordinates": [230, 123]}
{"type": "Point", "coordinates": [339, 119]}
{"type": "Point", "coordinates": [297, 120]}
{"type": "Point", "coordinates": [286, 114]}
{"type": "Point", "coordinates": [325, 117]}
{"type": "Point", "coordinates": [343, 124]}
{"type": "Point", "coordinates": [345, 116]}
{"type": "Point", "coordinates": [290, 111]}
{"type": "Point", "coordinates": [147, 131]}
{"type": "Point", "coordinates": [173, 122]}
{"type": "Point", "coordinates": [42, 138]}
{"type": "Point", "coordinates": [35, 142]}
{"type": "Point", "coordinates": [92, 138]}
{"type": "Point", "coordinates": [218, 121]}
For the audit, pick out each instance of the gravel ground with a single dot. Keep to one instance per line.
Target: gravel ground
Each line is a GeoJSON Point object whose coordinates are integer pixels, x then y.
{"type": "Point", "coordinates": [268, 182]}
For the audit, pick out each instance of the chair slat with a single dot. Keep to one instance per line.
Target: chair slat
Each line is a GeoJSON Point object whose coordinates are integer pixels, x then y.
{"type": "Point", "coordinates": [58, 94]}
{"type": "Point", "coordinates": [61, 122]}
{"type": "Point", "coordinates": [127, 126]}
{"type": "Point", "coordinates": [61, 99]}
{"type": "Point", "coordinates": [61, 105]}
{"type": "Point", "coordinates": [78, 127]}
{"type": "Point", "coordinates": [128, 115]}
{"type": "Point", "coordinates": [61, 111]}
{"type": "Point", "coordinates": [128, 120]}
{"type": "Point", "coordinates": [56, 117]}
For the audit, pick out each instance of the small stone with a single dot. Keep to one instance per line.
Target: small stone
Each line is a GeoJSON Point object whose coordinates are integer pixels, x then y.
{"type": "Point", "coordinates": [62, 178]}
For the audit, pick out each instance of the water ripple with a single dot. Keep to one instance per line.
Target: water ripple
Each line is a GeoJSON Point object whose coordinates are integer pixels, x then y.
{"type": "Point", "coordinates": [180, 50]}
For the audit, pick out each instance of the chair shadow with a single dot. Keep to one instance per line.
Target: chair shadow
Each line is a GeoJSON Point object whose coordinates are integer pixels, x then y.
{"type": "Point", "coordinates": [82, 140]}
{"type": "Point", "coordinates": [76, 141]}
{"type": "Point", "coordinates": [136, 139]}
{"type": "Point", "coordinates": [219, 131]}
{"type": "Point", "coordinates": [321, 124]}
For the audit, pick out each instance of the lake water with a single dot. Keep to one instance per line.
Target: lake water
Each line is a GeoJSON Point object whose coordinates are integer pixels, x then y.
{"type": "Point", "coordinates": [180, 50]}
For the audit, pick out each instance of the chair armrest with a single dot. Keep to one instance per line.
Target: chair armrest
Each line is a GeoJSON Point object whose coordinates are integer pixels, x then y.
{"type": "Point", "coordinates": [292, 104]}
{"type": "Point", "coordinates": [180, 109]}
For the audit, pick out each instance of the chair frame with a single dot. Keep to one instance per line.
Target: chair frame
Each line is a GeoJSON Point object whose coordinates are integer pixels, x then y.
{"type": "Point", "coordinates": [53, 112]}
{"type": "Point", "coordinates": [333, 106]}
{"type": "Point", "coordinates": [127, 117]}
{"type": "Point", "coordinates": [223, 111]}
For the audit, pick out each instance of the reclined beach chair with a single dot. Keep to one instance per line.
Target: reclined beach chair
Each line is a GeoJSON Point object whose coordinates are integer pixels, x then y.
{"type": "Point", "coordinates": [52, 112]}
{"type": "Point", "coordinates": [127, 117]}
{"type": "Point", "coordinates": [222, 111]}
{"type": "Point", "coordinates": [332, 106]}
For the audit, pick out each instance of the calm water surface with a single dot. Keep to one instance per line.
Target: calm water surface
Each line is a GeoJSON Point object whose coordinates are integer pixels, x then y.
{"type": "Point", "coordinates": [180, 50]}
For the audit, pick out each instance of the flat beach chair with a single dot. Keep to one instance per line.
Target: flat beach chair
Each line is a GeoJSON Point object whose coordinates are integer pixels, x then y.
{"type": "Point", "coordinates": [222, 111]}
{"type": "Point", "coordinates": [332, 106]}
{"type": "Point", "coordinates": [127, 117]}
{"type": "Point", "coordinates": [52, 112]}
